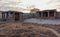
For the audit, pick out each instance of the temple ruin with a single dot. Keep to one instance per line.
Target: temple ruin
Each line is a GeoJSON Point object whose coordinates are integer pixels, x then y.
{"type": "Point", "coordinates": [47, 13]}
{"type": "Point", "coordinates": [20, 16]}
{"type": "Point", "coordinates": [11, 16]}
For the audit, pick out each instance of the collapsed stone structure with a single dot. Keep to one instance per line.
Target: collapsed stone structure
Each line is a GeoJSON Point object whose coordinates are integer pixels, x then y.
{"type": "Point", "coordinates": [47, 13]}
{"type": "Point", "coordinates": [50, 14]}
{"type": "Point", "coordinates": [11, 15]}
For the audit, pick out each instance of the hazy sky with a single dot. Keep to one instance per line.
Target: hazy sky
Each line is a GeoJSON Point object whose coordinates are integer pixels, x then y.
{"type": "Point", "coordinates": [28, 4]}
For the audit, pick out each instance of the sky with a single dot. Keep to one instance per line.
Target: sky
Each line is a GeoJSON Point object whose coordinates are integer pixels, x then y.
{"type": "Point", "coordinates": [26, 5]}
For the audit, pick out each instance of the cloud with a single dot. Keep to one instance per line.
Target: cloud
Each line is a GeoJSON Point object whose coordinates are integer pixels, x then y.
{"type": "Point", "coordinates": [27, 4]}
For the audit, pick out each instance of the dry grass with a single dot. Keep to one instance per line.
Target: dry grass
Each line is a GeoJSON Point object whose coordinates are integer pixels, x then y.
{"type": "Point", "coordinates": [25, 30]}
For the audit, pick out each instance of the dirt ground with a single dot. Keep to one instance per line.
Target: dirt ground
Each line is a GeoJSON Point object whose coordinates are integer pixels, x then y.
{"type": "Point", "coordinates": [18, 29]}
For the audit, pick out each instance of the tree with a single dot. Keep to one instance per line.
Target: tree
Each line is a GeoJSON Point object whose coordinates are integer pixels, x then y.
{"type": "Point", "coordinates": [34, 10]}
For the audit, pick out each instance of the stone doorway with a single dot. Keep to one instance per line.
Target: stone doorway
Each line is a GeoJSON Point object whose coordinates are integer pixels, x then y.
{"type": "Point", "coordinates": [51, 14]}
{"type": "Point", "coordinates": [16, 16]}
{"type": "Point", "coordinates": [45, 14]}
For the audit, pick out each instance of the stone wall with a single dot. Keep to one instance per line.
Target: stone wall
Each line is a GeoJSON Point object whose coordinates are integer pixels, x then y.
{"type": "Point", "coordinates": [58, 15]}
{"type": "Point", "coordinates": [27, 15]}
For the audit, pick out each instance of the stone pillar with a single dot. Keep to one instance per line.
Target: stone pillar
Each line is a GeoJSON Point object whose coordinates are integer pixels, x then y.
{"type": "Point", "coordinates": [6, 15]}
{"type": "Point", "coordinates": [41, 14]}
{"type": "Point", "coordinates": [48, 13]}
{"type": "Point", "coordinates": [21, 17]}
{"type": "Point", "coordinates": [13, 17]}
{"type": "Point", "coordinates": [55, 14]}
{"type": "Point", "coordinates": [3, 15]}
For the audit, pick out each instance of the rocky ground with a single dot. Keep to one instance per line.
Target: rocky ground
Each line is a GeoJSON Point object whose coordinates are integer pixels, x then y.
{"type": "Point", "coordinates": [17, 29]}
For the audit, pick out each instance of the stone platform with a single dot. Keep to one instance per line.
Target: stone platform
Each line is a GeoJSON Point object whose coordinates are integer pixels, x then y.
{"type": "Point", "coordinates": [43, 21]}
